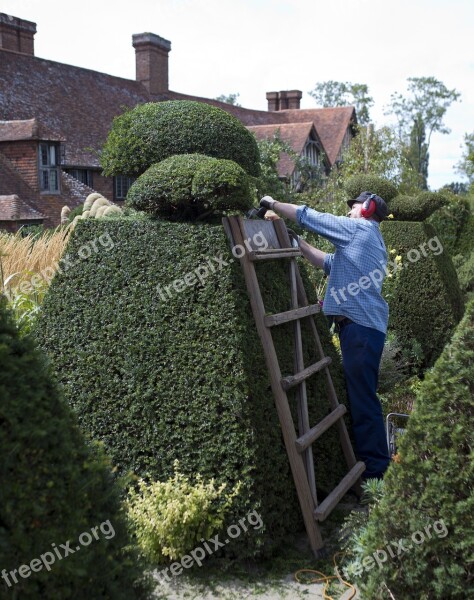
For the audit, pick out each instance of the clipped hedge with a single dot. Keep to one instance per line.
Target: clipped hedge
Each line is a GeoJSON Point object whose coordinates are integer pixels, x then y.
{"type": "Point", "coordinates": [161, 375]}
{"type": "Point", "coordinates": [417, 208]}
{"type": "Point", "coordinates": [429, 495]}
{"type": "Point", "coordinates": [151, 132]}
{"type": "Point", "coordinates": [371, 183]}
{"type": "Point", "coordinates": [466, 274]}
{"type": "Point", "coordinates": [55, 488]}
{"type": "Point", "coordinates": [427, 303]}
{"type": "Point", "coordinates": [185, 186]}
{"type": "Point", "coordinates": [451, 221]}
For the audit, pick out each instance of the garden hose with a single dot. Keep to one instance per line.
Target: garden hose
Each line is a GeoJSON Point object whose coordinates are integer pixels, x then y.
{"type": "Point", "coordinates": [327, 579]}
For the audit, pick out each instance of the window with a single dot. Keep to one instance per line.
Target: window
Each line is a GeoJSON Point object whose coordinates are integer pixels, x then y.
{"type": "Point", "coordinates": [82, 175]}
{"type": "Point", "coordinates": [121, 186]}
{"type": "Point", "coordinates": [49, 167]}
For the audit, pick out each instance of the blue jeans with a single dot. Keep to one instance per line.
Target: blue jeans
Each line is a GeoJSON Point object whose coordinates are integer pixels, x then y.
{"type": "Point", "coordinates": [361, 349]}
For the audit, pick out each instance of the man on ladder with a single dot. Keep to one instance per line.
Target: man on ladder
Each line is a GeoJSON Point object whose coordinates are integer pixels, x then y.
{"type": "Point", "coordinates": [354, 302]}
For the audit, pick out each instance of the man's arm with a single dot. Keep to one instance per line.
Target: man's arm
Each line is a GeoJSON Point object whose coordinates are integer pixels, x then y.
{"type": "Point", "coordinates": [285, 210]}
{"type": "Point", "coordinates": [314, 255]}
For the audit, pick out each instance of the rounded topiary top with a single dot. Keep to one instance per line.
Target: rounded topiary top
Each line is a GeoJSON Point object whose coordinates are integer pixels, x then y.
{"type": "Point", "coordinates": [151, 132]}
{"type": "Point", "coordinates": [373, 183]}
{"type": "Point", "coordinates": [190, 186]}
{"type": "Point", "coordinates": [417, 208]}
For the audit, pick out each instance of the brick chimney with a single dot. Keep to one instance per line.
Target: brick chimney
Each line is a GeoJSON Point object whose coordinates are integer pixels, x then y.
{"type": "Point", "coordinates": [151, 54]}
{"type": "Point", "coordinates": [17, 34]}
{"type": "Point", "coordinates": [284, 100]}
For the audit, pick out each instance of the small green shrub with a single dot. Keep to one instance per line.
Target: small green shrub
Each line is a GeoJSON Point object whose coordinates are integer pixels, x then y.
{"type": "Point", "coordinates": [151, 132]}
{"type": "Point", "coordinates": [75, 212]}
{"type": "Point", "coordinates": [371, 183]}
{"type": "Point", "coordinates": [170, 518]}
{"type": "Point", "coordinates": [393, 365]}
{"type": "Point", "coordinates": [56, 486]}
{"type": "Point", "coordinates": [185, 186]}
{"type": "Point", "coordinates": [428, 500]}
{"type": "Point", "coordinates": [417, 208]}
{"type": "Point", "coordinates": [465, 241]}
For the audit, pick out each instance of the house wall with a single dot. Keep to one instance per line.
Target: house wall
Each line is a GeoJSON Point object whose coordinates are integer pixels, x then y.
{"type": "Point", "coordinates": [24, 157]}
{"type": "Point", "coordinates": [103, 185]}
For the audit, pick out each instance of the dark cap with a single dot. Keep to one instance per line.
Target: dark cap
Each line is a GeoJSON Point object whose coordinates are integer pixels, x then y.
{"type": "Point", "coordinates": [381, 207]}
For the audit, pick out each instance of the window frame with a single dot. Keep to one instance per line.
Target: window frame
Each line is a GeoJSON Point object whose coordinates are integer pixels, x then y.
{"type": "Point", "coordinates": [49, 163]}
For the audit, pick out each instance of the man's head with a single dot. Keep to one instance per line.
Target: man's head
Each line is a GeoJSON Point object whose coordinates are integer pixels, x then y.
{"type": "Point", "coordinates": [368, 206]}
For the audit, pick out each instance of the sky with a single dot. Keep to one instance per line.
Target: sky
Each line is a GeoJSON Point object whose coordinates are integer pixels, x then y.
{"type": "Point", "coordinates": [250, 47]}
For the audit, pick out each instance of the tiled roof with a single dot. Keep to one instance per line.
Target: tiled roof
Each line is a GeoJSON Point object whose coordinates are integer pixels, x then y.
{"type": "Point", "coordinates": [13, 208]}
{"type": "Point", "coordinates": [294, 134]}
{"type": "Point", "coordinates": [12, 182]}
{"type": "Point", "coordinates": [330, 123]}
{"type": "Point", "coordinates": [30, 129]}
{"type": "Point", "coordinates": [80, 104]}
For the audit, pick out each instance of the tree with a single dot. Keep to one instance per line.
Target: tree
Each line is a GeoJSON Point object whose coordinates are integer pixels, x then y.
{"type": "Point", "coordinates": [419, 115]}
{"type": "Point", "coordinates": [229, 99]}
{"type": "Point", "coordinates": [466, 165]}
{"type": "Point", "coordinates": [337, 93]}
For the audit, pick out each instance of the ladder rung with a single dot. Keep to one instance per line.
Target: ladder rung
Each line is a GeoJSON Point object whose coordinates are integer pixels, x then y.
{"type": "Point", "coordinates": [338, 492]}
{"type": "Point", "coordinates": [315, 432]}
{"type": "Point", "coordinates": [292, 380]}
{"type": "Point", "coordinates": [292, 315]}
{"type": "Point", "coordinates": [272, 253]}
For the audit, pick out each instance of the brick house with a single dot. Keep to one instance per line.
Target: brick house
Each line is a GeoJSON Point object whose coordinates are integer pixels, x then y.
{"type": "Point", "coordinates": [54, 119]}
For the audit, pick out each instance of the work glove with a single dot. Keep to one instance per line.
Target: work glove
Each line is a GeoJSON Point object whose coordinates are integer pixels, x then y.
{"type": "Point", "coordinates": [267, 202]}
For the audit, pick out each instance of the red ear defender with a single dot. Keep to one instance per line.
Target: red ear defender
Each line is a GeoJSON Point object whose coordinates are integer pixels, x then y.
{"type": "Point", "coordinates": [369, 207]}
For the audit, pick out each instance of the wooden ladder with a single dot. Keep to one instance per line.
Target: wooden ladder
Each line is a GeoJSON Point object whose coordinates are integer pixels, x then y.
{"type": "Point", "coordinates": [240, 232]}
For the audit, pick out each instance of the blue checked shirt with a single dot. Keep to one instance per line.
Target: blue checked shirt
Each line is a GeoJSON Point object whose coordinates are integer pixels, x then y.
{"type": "Point", "coordinates": [356, 270]}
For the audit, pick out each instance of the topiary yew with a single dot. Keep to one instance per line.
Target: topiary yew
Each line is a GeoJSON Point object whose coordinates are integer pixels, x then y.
{"type": "Point", "coordinates": [151, 132]}
{"type": "Point", "coordinates": [372, 183]}
{"type": "Point", "coordinates": [426, 304]}
{"type": "Point", "coordinates": [155, 345]}
{"type": "Point", "coordinates": [55, 487]}
{"type": "Point", "coordinates": [185, 186]}
{"type": "Point", "coordinates": [429, 494]}
{"type": "Point", "coordinates": [417, 208]}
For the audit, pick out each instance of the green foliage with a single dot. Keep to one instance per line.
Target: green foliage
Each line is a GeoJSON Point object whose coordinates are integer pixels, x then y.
{"type": "Point", "coordinates": [465, 241]}
{"type": "Point", "coordinates": [151, 132]}
{"type": "Point", "coordinates": [466, 164]}
{"type": "Point", "coordinates": [378, 152]}
{"type": "Point", "coordinates": [466, 274]}
{"type": "Point", "coordinates": [25, 305]}
{"type": "Point", "coordinates": [353, 532]}
{"type": "Point", "coordinates": [185, 186]}
{"type": "Point", "coordinates": [75, 212]}
{"type": "Point", "coordinates": [393, 364]}
{"type": "Point", "coordinates": [371, 183]}
{"type": "Point", "coordinates": [450, 222]}
{"type": "Point", "coordinates": [55, 487]}
{"type": "Point", "coordinates": [429, 495]}
{"type": "Point", "coordinates": [171, 518]}
{"type": "Point", "coordinates": [419, 115]}
{"type": "Point", "coordinates": [229, 99]}
{"type": "Point", "coordinates": [427, 303]}
{"type": "Point", "coordinates": [181, 375]}
{"type": "Point", "coordinates": [417, 208]}
{"type": "Point", "coordinates": [338, 93]}
{"type": "Point", "coordinates": [269, 182]}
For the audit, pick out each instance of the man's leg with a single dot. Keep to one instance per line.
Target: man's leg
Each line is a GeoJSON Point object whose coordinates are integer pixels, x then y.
{"type": "Point", "coordinates": [361, 349]}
